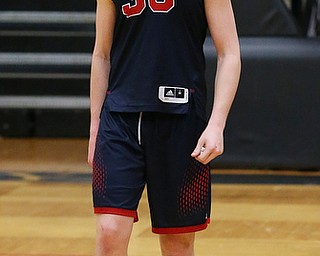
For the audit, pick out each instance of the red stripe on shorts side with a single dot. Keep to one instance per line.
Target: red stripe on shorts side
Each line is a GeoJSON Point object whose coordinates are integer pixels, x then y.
{"type": "Point", "coordinates": [117, 211]}
{"type": "Point", "coordinates": [180, 230]}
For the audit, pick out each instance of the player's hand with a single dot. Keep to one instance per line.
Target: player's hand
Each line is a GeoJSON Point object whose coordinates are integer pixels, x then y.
{"type": "Point", "coordinates": [91, 147]}
{"type": "Point", "coordinates": [209, 146]}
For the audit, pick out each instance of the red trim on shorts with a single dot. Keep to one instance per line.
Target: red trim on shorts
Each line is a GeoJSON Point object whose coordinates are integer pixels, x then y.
{"type": "Point", "coordinates": [117, 211]}
{"type": "Point", "coordinates": [180, 230]}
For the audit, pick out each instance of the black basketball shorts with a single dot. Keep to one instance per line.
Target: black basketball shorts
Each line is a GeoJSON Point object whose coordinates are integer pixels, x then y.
{"type": "Point", "coordinates": [134, 150]}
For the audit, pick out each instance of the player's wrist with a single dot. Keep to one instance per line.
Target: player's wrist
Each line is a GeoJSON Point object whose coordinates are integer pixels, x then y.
{"type": "Point", "coordinates": [94, 127]}
{"type": "Point", "coordinates": [216, 125]}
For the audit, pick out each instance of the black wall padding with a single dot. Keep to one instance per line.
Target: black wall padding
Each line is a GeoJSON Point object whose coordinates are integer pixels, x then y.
{"type": "Point", "coordinates": [48, 123]}
{"type": "Point", "coordinates": [43, 5]}
{"type": "Point", "coordinates": [275, 118]}
{"type": "Point", "coordinates": [61, 123]}
{"type": "Point", "coordinates": [264, 18]}
{"type": "Point", "coordinates": [15, 123]}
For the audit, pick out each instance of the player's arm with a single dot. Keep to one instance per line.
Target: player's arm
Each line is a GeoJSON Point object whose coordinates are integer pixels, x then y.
{"type": "Point", "coordinates": [100, 68]}
{"type": "Point", "coordinates": [223, 31]}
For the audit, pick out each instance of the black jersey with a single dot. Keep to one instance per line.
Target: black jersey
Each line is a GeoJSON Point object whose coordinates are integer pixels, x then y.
{"type": "Point", "coordinates": [157, 43]}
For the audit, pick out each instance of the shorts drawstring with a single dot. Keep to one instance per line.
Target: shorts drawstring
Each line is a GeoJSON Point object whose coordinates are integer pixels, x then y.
{"type": "Point", "coordinates": [139, 128]}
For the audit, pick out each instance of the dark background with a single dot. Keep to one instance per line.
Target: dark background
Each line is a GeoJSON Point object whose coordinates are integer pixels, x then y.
{"type": "Point", "coordinates": [45, 54]}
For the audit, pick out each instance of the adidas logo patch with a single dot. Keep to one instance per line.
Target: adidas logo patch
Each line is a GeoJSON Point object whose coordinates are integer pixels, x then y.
{"type": "Point", "coordinates": [170, 93]}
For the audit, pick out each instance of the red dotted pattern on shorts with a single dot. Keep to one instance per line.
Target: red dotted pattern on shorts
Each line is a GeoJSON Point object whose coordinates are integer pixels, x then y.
{"type": "Point", "coordinates": [98, 182]}
{"type": "Point", "coordinates": [194, 190]}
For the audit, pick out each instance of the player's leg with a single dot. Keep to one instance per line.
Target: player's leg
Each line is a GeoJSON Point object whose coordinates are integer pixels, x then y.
{"type": "Point", "coordinates": [113, 234]}
{"type": "Point", "coordinates": [179, 186]}
{"type": "Point", "coordinates": [118, 182]}
{"type": "Point", "coordinates": [177, 244]}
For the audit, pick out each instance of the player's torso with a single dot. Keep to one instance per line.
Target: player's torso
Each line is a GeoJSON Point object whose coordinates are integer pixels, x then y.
{"type": "Point", "coordinates": [156, 43]}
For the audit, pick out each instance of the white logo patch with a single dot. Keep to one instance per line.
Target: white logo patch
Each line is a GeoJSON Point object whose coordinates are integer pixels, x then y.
{"type": "Point", "coordinates": [171, 94]}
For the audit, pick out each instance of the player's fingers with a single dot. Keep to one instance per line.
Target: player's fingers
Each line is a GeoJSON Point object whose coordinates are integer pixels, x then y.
{"type": "Point", "coordinates": [91, 149]}
{"type": "Point", "coordinates": [203, 154]}
{"type": "Point", "coordinates": [90, 159]}
{"type": "Point", "coordinates": [198, 150]}
{"type": "Point", "coordinates": [217, 151]}
{"type": "Point", "coordinates": [206, 155]}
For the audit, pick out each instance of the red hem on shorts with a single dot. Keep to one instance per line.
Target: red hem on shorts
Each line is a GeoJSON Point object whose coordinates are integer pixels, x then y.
{"type": "Point", "coordinates": [117, 211]}
{"type": "Point", "coordinates": [180, 230]}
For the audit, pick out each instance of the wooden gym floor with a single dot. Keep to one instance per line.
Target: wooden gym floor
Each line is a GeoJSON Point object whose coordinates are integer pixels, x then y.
{"type": "Point", "coordinates": [46, 209]}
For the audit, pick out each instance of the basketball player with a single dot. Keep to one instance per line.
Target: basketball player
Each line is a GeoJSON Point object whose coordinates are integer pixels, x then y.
{"type": "Point", "coordinates": [148, 120]}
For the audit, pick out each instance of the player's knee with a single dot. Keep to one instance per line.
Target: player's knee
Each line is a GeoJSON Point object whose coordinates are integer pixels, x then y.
{"type": "Point", "coordinates": [106, 229]}
{"type": "Point", "coordinates": [107, 234]}
{"type": "Point", "coordinates": [109, 240]}
{"type": "Point", "coordinates": [177, 245]}
{"type": "Point", "coordinates": [113, 231]}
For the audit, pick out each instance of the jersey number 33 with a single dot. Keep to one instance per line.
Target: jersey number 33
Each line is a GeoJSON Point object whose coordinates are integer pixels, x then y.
{"type": "Point", "coordinates": [137, 6]}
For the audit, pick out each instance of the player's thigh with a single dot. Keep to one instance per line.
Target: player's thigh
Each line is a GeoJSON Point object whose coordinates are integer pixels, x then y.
{"type": "Point", "coordinates": [118, 169]}
{"type": "Point", "coordinates": [178, 185]}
